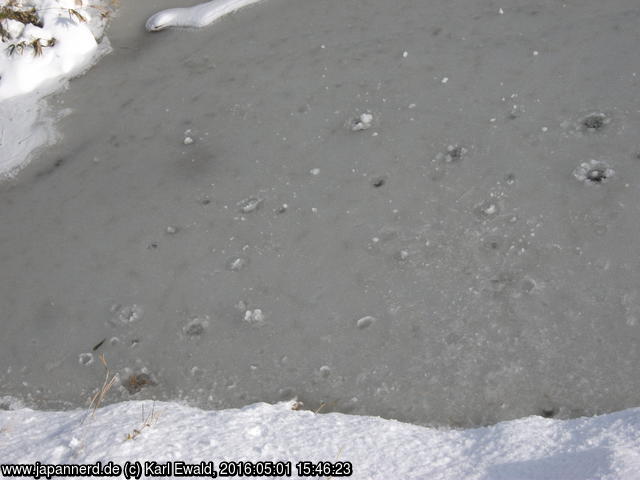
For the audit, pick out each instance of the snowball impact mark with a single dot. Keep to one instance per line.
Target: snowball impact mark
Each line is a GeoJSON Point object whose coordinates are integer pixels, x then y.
{"type": "Point", "coordinates": [129, 313]}
{"type": "Point", "coordinates": [363, 122]}
{"type": "Point", "coordinates": [379, 181]}
{"type": "Point", "coordinates": [593, 172]}
{"type": "Point", "coordinates": [250, 204]}
{"type": "Point", "coordinates": [486, 210]}
{"type": "Point", "coordinates": [197, 16]}
{"type": "Point", "coordinates": [85, 358]}
{"type": "Point", "coordinates": [254, 317]}
{"type": "Point", "coordinates": [195, 327]}
{"type": "Point", "coordinates": [594, 122]}
{"type": "Point", "coordinates": [453, 153]}
{"type": "Point", "coordinates": [137, 382]}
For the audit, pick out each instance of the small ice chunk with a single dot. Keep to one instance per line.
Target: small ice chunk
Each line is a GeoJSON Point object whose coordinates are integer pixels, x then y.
{"type": "Point", "coordinates": [188, 140]}
{"type": "Point", "coordinates": [237, 263]}
{"type": "Point", "coordinates": [314, 171]}
{"type": "Point", "coordinates": [445, 79]}
{"type": "Point", "coordinates": [500, 11]}
{"type": "Point", "coordinates": [254, 317]}
{"type": "Point", "coordinates": [365, 322]}
{"type": "Point", "coordinates": [405, 54]}
{"type": "Point", "coordinates": [250, 204]}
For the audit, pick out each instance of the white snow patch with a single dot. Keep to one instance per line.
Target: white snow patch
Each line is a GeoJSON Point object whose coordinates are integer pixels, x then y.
{"type": "Point", "coordinates": [67, 48]}
{"type": "Point", "coordinates": [197, 16]}
{"type": "Point", "coordinates": [531, 448]}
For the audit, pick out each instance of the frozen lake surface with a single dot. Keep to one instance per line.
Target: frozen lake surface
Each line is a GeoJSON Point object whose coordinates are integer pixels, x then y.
{"type": "Point", "coordinates": [421, 210]}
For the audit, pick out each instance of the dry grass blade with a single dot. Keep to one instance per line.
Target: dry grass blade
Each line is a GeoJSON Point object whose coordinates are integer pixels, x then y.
{"type": "Point", "coordinates": [77, 15]}
{"type": "Point", "coordinates": [16, 48]}
{"type": "Point", "coordinates": [325, 404]}
{"type": "Point", "coordinates": [37, 47]}
{"type": "Point", "coordinates": [147, 422]}
{"type": "Point", "coordinates": [109, 380]}
{"type": "Point", "coordinates": [105, 12]}
{"type": "Point", "coordinates": [337, 457]}
{"type": "Point", "coordinates": [9, 12]}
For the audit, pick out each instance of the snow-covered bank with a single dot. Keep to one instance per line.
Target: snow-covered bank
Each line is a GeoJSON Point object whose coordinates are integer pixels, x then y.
{"type": "Point", "coordinates": [605, 447]}
{"type": "Point", "coordinates": [44, 44]}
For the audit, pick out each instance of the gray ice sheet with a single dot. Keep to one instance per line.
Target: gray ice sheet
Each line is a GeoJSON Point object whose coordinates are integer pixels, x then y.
{"type": "Point", "coordinates": [499, 283]}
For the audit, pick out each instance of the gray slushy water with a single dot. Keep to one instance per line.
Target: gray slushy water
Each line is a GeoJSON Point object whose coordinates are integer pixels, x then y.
{"type": "Point", "coordinates": [225, 222]}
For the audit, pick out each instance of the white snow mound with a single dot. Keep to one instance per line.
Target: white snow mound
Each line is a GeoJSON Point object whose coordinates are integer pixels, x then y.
{"type": "Point", "coordinates": [604, 447]}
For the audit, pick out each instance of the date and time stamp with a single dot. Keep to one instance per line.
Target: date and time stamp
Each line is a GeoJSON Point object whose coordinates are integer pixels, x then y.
{"type": "Point", "coordinates": [206, 469]}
